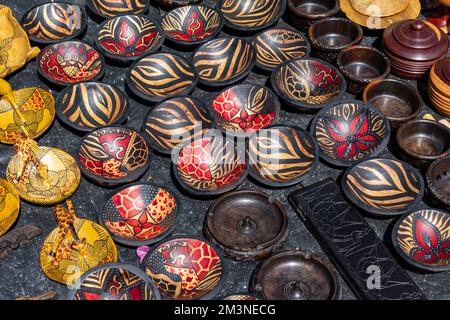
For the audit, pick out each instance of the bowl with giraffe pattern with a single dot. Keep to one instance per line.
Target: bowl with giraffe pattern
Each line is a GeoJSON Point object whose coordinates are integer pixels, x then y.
{"type": "Point", "coordinates": [113, 8]}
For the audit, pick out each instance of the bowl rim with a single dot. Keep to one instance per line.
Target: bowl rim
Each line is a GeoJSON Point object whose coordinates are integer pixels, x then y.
{"type": "Point", "coordinates": [305, 106]}
{"type": "Point", "coordinates": [373, 154]}
{"type": "Point", "coordinates": [192, 43]}
{"type": "Point", "coordinates": [326, 14]}
{"type": "Point", "coordinates": [137, 243]}
{"type": "Point", "coordinates": [283, 5]}
{"type": "Point", "coordinates": [312, 169]}
{"type": "Point", "coordinates": [432, 186]}
{"type": "Point", "coordinates": [285, 28]}
{"type": "Point", "coordinates": [77, 33]}
{"type": "Point", "coordinates": [232, 80]}
{"type": "Point", "coordinates": [240, 293]}
{"type": "Point", "coordinates": [224, 273]}
{"type": "Point", "coordinates": [97, 77]}
{"type": "Point", "coordinates": [115, 265]}
{"type": "Point", "coordinates": [380, 211]}
{"type": "Point", "coordinates": [143, 96]}
{"type": "Point", "coordinates": [130, 59]}
{"type": "Point", "coordinates": [100, 15]}
{"type": "Point", "coordinates": [133, 176]}
{"type": "Point", "coordinates": [77, 127]}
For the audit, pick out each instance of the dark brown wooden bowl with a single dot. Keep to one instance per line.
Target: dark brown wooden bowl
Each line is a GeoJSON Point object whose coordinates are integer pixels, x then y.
{"type": "Point", "coordinates": [438, 181]}
{"type": "Point", "coordinates": [176, 3]}
{"type": "Point", "coordinates": [113, 8]}
{"type": "Point", "coordinates": [246, 225]}
{"type": "Point", "coordinates": [423, 141]}
{"type": "Point", "coordinates": [303, 13]}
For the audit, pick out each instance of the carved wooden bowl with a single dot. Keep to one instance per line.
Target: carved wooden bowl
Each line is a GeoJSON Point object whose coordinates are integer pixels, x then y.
{"type": "Point", "coordinates": [438, 181]}
{"type": "Point", "coordinates": [160, 76]}
{"type": "Point", "coordinates": [128, 38]}
{"type": "Point", "coordinates": [115, 281]}
{"type": "Point", "coordinates": [277, 45]}
{"type": "Point", "coordinates": [185, 269]}
{"type": "Point", "coordinates": [69, 62]}
{"type": "Point", "coordinates": [303, 13]}
{"type": "Point", "coordinates": [175, 120]}
{"type": "Point", "coordinates": [282, 156]}
{"type": "Point", "coordinates": [249, 15]}
{"type": "Point", "coordinates": [241, 297]}
{"type": "Point", "coordinates": [55, 21]}
{"type": "Point", "coordinates": [90, 105]}
{"type": "Point", "coordinates": [439, 86]}
{"type": "Point", "coordinates": [422, 240]}
{"type": "Point", "coordinates": [308, 84]}
{"type": "Point", "coordinates": [176, 3]}
{"type": "Point", "coordinates": [383, 187]}
{"type": "Point", "coordinates": [113, 8]}
{"type": "Point", "coordinates": [296, 275]}
{"type": "Point", "coordinates": [113, 155]}
{"type": "Point", "coordinates": [139, 214]}
{"type": "Point", "coordinates": [9, 206]}
{"type": "Point", "coordinates": [244, 109]}
{"type": "Point", "coordinates": [349, 132]}
{"type": "Point", "coordinates": [191, 25]}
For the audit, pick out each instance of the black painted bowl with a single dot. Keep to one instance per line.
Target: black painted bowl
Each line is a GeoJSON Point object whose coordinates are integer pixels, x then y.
{"type": "Point", "coordinates": [438, 181]}
{"type": "Point", "coordinates": [112, 8]}
{"type": "Point", "coordinates": [186, 269]}
{"type": "Point", "coordinates": [383, 187]}
{"type": "Point", "coordinates": [421, 238]}
{"type": "Point", "coordinates": [113, 155]}
{"type": "Point", "coordinates": [191, 25]}
{"type": "Point", "coordinates": [162, 75]}
{"type": "Point", "coordinates": [139, 214]}
{"type": "Point", "coordinates": [350, 131]}
{"type": "Point", "coordinates": [308, 84]}
{"type": "Point", "coordinates": [277, 45]}
{"type": "Point", "coordinates": [55, 21]}
{"type": "Point", "coordinates": [244, 109]}
{"type": "Point", "coordinates": [90, 105]}
{"type": "Point", "coordinates": [128, 38]}
{"type": "Point", "coordinates": [70, 62]}
{"type": "Point", "coordinates": [282, 156]}
{"type": "Point", "coordinates": [223, 61]}
{"type": "Point", "coordinates": [176, 3]}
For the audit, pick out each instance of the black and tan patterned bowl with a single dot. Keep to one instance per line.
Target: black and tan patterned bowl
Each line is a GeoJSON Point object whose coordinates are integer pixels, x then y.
{"type": "Point", "coordinates": [55, 21]}
{"type": "Point", "coordinates": [421, 238]}
{"type": "Point", "coordinates": [111, 156]}
{"type": "Point", "coordinates": [128, 38]}
{"type": "Point", "coordinates": [176, 3]}
{"type": "Point", "coordinates": [308, 84]}
{"type": "Point", "coordinates": [383, 187]}
{"type": "Point", "coordinates": [175, 120]}
{"type": "Point", "coordinates": [281, 156]}
{"type": "Point", "coordinates": [223, 61]}
{"type": "Point", "coordinates": [112, 8]}
{"type": "Point", "coordinates": [90, 105]}
{"type": "Point", "coordinates": [349, 132]}
{"type": "Point", "coordinates": [160, 76]}
{"type": "Point", "coordinates": [438, 181]}
{"type": "Point", "coordinates": [244, 109]}
{"type": "Point", "coordinates": [191, 25]}
{"type": "Point", "coordinates": [249, 15]}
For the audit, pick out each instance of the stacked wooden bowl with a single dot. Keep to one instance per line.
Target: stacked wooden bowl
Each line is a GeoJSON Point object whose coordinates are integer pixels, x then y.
{"type": "Point", "coordinates": [439, 86]}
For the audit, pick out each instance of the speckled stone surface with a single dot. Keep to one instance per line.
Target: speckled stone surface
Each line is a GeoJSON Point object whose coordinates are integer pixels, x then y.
{"type": "Point", "coordinates": [20, 273]}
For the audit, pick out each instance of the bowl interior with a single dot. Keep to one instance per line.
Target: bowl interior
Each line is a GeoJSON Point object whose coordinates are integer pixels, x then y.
{"type": "Point", "coordinates": [363, 63]}
{"type": "Point", "coordinates": [251, 14]}
{"type": "Point", "coordinates": [312, 7]}
{"type": "Point", "coordinates": [439, 175]}
{"type": "Point", "coordinates": [108, 8]}
{"type": "Point", "coordinates": [335, 32]}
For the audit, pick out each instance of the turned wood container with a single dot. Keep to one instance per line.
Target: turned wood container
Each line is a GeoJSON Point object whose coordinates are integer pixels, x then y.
{"type": "Point", "coordinates": [439, 86]}
{"type": "Point", "coordinates": [303, 13]}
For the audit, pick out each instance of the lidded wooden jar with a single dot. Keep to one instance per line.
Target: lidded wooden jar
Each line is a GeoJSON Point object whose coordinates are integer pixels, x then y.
{"type": "Point", "coordinates": [413, 46]}
{"type": "Point", "coordinates": [439, 86]}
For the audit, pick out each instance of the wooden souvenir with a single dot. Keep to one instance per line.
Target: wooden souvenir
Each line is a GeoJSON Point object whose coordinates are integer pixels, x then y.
{"type": "Point", "coordinates": [303, 13]}
{"type": "Point", "coordinates": [176, 3]}
{"type": "Point", "coordinates": [241, 297]}
{"type": "Point", "coordinates": [439, 86]}
{"type": "Point", "coordinates": [113, 8]}
{"type": "Point", "coordinates": [9, 206]}
{"type": "Point", "coordinates": [438, 182]}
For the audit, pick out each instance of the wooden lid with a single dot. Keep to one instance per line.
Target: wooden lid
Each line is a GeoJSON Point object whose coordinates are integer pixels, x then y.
{"type": "Point", "coordinates": [442, 70]}
{"type": "Point", "coordinates": [379, 8]}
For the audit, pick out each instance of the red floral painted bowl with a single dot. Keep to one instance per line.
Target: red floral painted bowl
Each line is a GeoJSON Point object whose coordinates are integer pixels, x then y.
{"type": "Point", "coordinates": [70, 62]}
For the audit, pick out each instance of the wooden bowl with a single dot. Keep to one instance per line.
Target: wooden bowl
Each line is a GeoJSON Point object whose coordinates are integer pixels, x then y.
{"type": "Point", "coordinates": [191, 25]}
{"type": "Point", "coordinates": [362, 65]}
{"type": "Point", "coordinates": [55, 21]}
{"type": "Point", "coordinates": [241, 297]}
{"type": "Point", "coordinates": [439, 86]}
{"type": "Point", "coordinates": [128, 38]}
{"type": "Point", "coordinates": [308, 84]}
{"type": "Point", "coordinates": [111, 156]}
{"type": "Point", "coordinates": [139, 214]}
{"type": "Point", "coordinates": [296, 275]}
{"type": "Point", "coordinates": [244, 109]}
{"type": "Point", "coordinates": [90, 105]}
{"type": "Point", "coordinates": [438, 181]}
{"type": "Point", "coordinates": [349, 132]}
{"type": "Point", "coordinates": [423, 141]}
{"type": "Point", "coordinates": [160, 76]}
{"type": "Point", "coordinates": [281, 156]}
{"type": "Point", "coordinates": [175, 120]}
{"type": "Point", "coordinates": [246, 225]}
{"type": "Point", "coordinates": [303, 13]}
{"type": "Point", "coordinates": [223, 61]}
{"type": "Point", "coordinates": [176, 3]}
{"type": "Point", "coordinates": [277, 45]}
{"type": "Point", "coordinates": [383, 187]}
{"type": "Point", "coordinates": [112, 8]}
{"type": "Point", "coordinates": [250, 15]}
{"type": "Point", "coordinates": [395, 98]}
{"type": "Point", "coordinates": [422, 240]}
{"type": "Point", "coordinates": [9, 206]}
{"type": "Point", "coordinates": [70, 62]}
{"type": "Point", "coordinates": [186, 269]}
{"type": "Point", "coordinates": [331, 35]}
{"type": "Point", "coordinates": [114, 281]}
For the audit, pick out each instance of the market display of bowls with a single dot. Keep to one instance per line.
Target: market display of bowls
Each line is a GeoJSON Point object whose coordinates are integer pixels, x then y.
{"type": "Point", "coordinates": [112, 8]}
{"type": "Point", "coordinates": [303, 13]}
{"type": "Point", "coordinates": [439, 86]}
{"type": "Point", "coordinates": [438, 181]}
